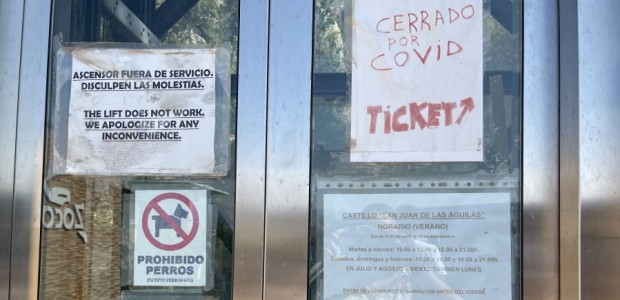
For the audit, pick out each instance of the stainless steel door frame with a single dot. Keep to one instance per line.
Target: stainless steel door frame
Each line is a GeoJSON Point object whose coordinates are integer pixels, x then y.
{"type": "Point", "coordinates": [11, 21]}
{"type": "Point", "coordinates": [278, 156]}
{"type": "Point", "coordinates": [251, 156]}
{"type": "Point", "coordinates": [590, 164]}
{"type": "Point", "coordinates": [25, 109]}
{"type": "Point", "coordinates": [569, 172]}
{"type": "Point", "coordinates": [29, 149]}
{"type": "Point", "coordinates": [540, 218]}
{"type": "Point", "coordinates": [288, 150]}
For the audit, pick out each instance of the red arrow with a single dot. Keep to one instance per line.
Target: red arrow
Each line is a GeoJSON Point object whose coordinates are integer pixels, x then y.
{"type": "Point", "coordinates": [468, 106]}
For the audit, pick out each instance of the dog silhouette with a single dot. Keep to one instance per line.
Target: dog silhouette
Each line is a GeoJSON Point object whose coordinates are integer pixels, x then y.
{"type": "Point", "coordinates": [160, 223]}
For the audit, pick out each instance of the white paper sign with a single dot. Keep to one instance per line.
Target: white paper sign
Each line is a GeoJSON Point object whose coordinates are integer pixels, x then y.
{"type": "Point", "coordinates": [170, 238]}
{"type": "Point", "coordinates": [141, 111]}
{"type": "Point", "coordinates": [417, 246]}
{"type": "Point", "coordinates": [417, 79]}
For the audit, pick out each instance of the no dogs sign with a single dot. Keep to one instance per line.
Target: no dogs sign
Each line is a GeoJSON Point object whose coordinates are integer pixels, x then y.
{"type": "Point", "coordinates": [170, 238]}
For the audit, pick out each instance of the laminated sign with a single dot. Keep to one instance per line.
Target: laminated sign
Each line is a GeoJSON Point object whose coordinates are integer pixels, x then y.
{"type": "Point", "coordinates": [417, 78]}
{"type": "Point", "coordinates": [417, 246]}
{"type": "Point", "coordinates": [170, 238]}
{"type": "Point", "coordinates": [141, 111]}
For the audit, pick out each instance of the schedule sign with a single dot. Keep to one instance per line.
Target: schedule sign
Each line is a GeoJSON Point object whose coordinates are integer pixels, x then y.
{"type": "Point", "coordinates": [417, 246]}
{"type": "Point", "coordinates": [170, 238]}
{"type": "Point", "coordinates": [417, 79]}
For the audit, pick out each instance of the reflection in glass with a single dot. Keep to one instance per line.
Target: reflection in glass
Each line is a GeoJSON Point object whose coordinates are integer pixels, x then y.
{"type": "Point", "coordinates": [87, 258]}
{"type": "Point", "coordinates": [334, 174]}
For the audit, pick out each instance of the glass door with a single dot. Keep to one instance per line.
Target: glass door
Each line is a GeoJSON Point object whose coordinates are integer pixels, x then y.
{"type": "Point", "coordinates": [141, 176]}
{"type": "Point", "coordinates": [416, 151]}
{"type": "Point", "coordinates": [416, 158]}
{"type": "Point", "coordinates": [318, 183]}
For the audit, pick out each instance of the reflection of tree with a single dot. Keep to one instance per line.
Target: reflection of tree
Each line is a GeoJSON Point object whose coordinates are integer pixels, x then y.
{"type": "Point", "coordinates": [502, 48]}
{"type": "Point", "coordinates": [329, 36]}
{"type": "Point", "coordinates": [210, 22]}
{"type": "Point", "coordinates": [332, 115]}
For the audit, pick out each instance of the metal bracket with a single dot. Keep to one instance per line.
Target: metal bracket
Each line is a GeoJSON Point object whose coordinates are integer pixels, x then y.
{"type": "Point", "coordinates": [132, 26]}
{"type": "Point", "coordinates": [169, 13]}
{"type": "Point", "coordinates": [455, 183]}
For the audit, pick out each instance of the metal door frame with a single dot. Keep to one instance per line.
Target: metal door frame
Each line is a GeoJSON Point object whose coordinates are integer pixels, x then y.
{"type": "Point", "coordinates": [541, 135]}
{"type": "Point", "coordinates": [28, 96]}
{"type": "Point", "coordinates": [11, 16]}
{"type": "Point", "coordinates": [288, 150]}
{"type": "Point", "coordinates": [271, 232]}
{"type": "Point", "coordinates": [24, 30]}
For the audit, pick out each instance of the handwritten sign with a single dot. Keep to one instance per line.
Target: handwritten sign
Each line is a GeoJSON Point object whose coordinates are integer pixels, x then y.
{"type": "Point", "coordinates": [417, 81]}
{"type": "Point", "coordinates": [141, 111]}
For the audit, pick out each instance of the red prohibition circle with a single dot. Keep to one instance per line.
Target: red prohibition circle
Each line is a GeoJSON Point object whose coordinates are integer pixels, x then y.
{"type": "Point", "coordinates": [153, 205]}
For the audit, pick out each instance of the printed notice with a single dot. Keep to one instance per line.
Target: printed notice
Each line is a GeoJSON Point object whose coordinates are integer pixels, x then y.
{"type": "Point", "coordinates": [417, 246]}
{"type": "Point", "coordinates": [141, 111]}
{"type": "Point", "coordinates": [170, 238]}
{"type": "Point", "coordinates": [417, 78]}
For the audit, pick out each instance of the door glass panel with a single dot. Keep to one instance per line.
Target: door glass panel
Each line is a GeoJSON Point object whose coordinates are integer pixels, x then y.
{"type": "Point", "coordinates": [400, 209]}
{"type": "Point", "coordinates": [89, 246]}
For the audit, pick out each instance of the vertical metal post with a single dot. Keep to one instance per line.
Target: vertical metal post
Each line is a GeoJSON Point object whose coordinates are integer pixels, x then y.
{"type": "Point", "coordinates": [29, 150]}
{"type": "Point", "coordinates": [570, 227]}
{"type": "Point", "coordinates": [540, 150]}
{"type": "Point", "coordinates": [288, 149]}
{"type": "Point", "coordinates": [598, 121]}
{"type": "Point", "coordinates": [251, 156]}
{"type": "Point", "coordinates": [11, 20]}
